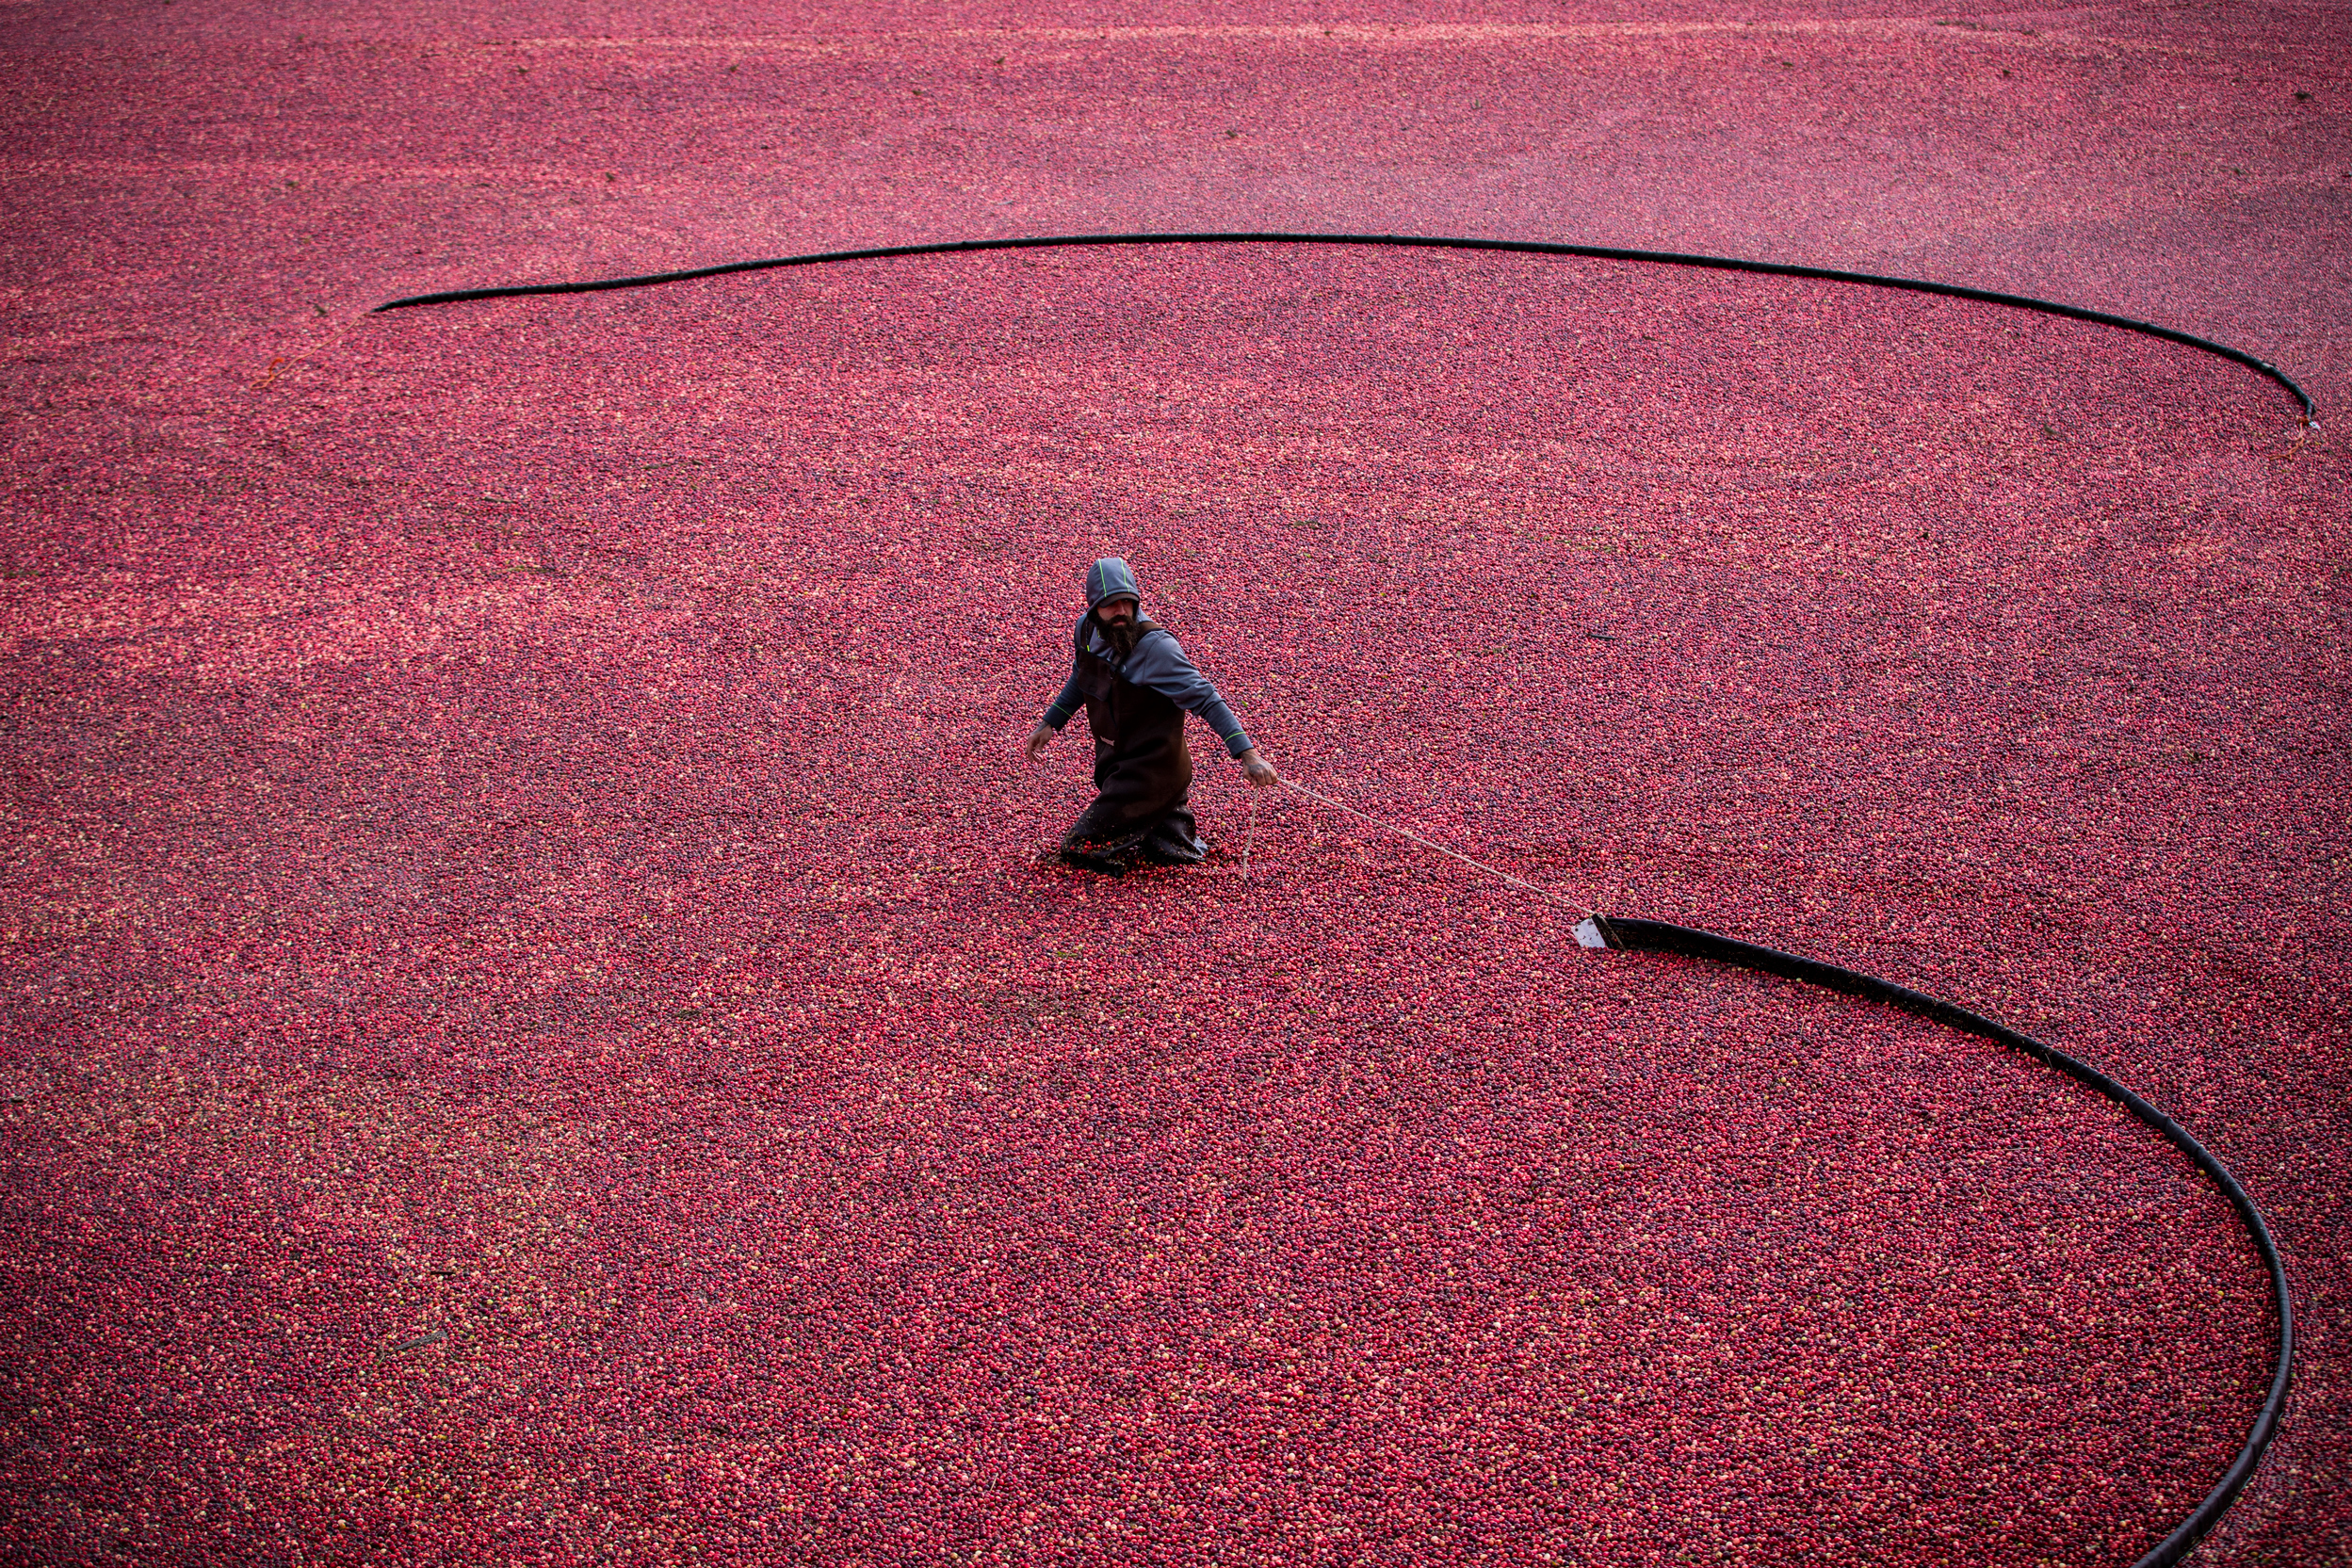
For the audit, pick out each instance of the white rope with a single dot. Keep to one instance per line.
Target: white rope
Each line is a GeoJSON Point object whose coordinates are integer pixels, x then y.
{"type": "Point", "coordinates": [1250, 837]}
{"type": "Point", "coordinates": [1429, 844]}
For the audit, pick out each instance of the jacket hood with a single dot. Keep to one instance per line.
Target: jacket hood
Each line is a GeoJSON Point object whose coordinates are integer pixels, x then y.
{"type": "Point", "coordinates": [1112, 579]}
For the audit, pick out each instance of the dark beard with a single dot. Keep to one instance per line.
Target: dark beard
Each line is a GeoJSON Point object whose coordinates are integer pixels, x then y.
{"type": "Point", "coordinates": [1122, 639]}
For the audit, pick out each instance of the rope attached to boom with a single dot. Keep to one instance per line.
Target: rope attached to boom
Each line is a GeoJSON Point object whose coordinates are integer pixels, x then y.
{"type": "Point", "coordinates": [1429, 844]}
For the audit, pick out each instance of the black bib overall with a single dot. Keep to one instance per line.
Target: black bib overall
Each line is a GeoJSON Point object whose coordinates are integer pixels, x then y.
{"type": "Point", "coordinates": [1143, 767]}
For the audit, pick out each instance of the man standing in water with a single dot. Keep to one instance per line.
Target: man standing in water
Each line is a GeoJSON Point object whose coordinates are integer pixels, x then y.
{"type": "Point", "coordinates": [1137, 686]}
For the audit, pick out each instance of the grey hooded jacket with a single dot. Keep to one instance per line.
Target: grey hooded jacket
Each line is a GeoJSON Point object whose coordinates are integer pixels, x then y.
{"type": "Point", "coordinates": [1159, 662]}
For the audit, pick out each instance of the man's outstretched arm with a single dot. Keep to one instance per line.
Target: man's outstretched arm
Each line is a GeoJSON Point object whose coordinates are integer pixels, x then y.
{"type": "Point", "coordinates": [1160, 663]}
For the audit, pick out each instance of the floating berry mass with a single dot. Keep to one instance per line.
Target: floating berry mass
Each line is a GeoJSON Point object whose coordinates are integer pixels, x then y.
{"type": "Point", "coordinates": [538, 1031]}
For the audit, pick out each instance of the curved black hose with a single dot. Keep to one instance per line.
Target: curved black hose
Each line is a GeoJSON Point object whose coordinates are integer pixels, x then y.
{"type": "Point", "coordinates": [1656, 936]}
{"type": "Point", "coordinates": [1426, 242]}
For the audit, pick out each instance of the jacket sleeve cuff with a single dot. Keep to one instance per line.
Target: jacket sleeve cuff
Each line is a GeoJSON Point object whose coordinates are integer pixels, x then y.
{"type": "Point", "coordinates": [1237, 743]}
{"type": "Point", "coordinates": [1056, 716]}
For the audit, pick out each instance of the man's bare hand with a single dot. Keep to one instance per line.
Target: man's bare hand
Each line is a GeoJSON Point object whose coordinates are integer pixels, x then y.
{"type": "Point", "coordinates": [1038, 739]}
{"type": "Point", "coordinates": [1257, 770]}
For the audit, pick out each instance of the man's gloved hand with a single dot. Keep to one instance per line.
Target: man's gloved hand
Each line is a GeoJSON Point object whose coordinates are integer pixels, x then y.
{"type": "Point", "coordinates": [1038, 738]}
{"type": "Point", "coordinates": [1258, 770]}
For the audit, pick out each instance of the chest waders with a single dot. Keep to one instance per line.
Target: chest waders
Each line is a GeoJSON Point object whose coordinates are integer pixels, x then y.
{"type": "Point", "coordinates": [1143, 768]}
